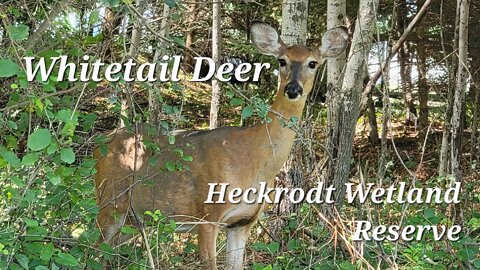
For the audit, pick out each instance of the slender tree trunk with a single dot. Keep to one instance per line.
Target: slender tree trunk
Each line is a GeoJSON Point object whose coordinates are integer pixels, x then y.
{"type": "Point", "coordinates": [351, 93]}
{"type": "Point", "coordinates": [190, 36]}
{"type": "Point", "coordinates": [154, 92]}
{"type": "Point", "coordinates": [474, 143]}
{"type": "Point", "coordinates": [405, 64]}
{"type": "Point", "coordinates": [294, 31]}
{"type": "Point", "coordinates": [216, 56]}
{"type": "Point", "coordinates": [294, 21]}
{"type": "Point", "coordinates": [336, 11]}
{"type": "Point", "coordinates": [444, 165]}
{"type": "Point", "coordinates": [461, 85]}
{"type": "Point", "coordinates": [423, 87]}
{"type": "Point", "coordinates": [132, 54]}
{"type": "Point", "coordinates": [372, 122]}
{"type": "Point", "coordinates": [405, 75]}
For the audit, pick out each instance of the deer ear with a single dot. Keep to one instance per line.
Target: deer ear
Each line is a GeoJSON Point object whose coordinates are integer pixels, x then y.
{"type": "Point", "coordinates": [334, 42]}
{"type": "Point", "coordinates": [265, 38]}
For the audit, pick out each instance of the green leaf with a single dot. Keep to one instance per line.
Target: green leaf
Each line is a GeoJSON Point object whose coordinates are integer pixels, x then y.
{"type": "Point", "coordinates": [67, 155]}
{"type": "Point", "coordinates": [31, 222]}
{"type": "Point", "coordinates": [429, 213]}
{"type": "Point", "coordinates": [18, 32]}
{"type": "Point", "coordinates": [129, 230]}
{"type": "Point", "coordinates": [11, 158]}
{"type": "Point", "coordinates": [346, 265]}
{"type": "Point", "coordinates": [170, 166]}
{"type": "Point", "coordinates": [94, 265]}
{"type": "Point", "coordinates": [247, 112]}
{"type": "Point", "coordinates": [41, 267]}
{"type": "Point", "coordinates": [22, 260]}
{"type": "Point", "coordinates": [187, 158]}
{"type": "Point", "coordinates": [66, 259]}
{"type": "Point", "coordinates": [170, 3]}
{"type": "Point", "coordinates": [54, 179]}
{"type": "Point", "coordinates": [111, 3]}
{"type": "Point", "coordinates": [47, 252]}
{"type": "Point", "coordinates": [30, 159]}
{"type": "Point", "coordinates": [236, 102]}
{"type": "Point", "coordinates": [179, 41]}
{"type": "Point", "coordinates": [8, 68]}
{"type": "Point", "coordinates": [52, 148]}
{"type": "Point", "coordinates": [39, 139]}
{"type": "Point", "coordinates": [171, 139]}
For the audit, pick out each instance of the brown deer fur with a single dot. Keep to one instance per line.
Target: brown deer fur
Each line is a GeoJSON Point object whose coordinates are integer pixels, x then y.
{"type": "Point", "coordinates": [128, 183]}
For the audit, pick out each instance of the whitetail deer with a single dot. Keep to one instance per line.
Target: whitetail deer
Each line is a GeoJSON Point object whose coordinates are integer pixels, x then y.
{"type": "Point", "coordinates": [128, 184]}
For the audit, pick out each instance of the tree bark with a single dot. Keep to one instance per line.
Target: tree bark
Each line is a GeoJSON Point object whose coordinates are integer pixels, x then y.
{"type": "Point", "coordinates": [406, 78]}
{"type": "Point", "coordinates": [423, 87]}
{"type": "Point", "coordinates": [154, 92]}
{"type": "Point", "coordinates": [349, 105]}
{"type": "Point", "coordinates": [190, 36]}
{"type": "Point", "coordinates": [132, 53]}
{"type": "Point", "coordinates": [444, 166]}
{"type": "Point", "coordinates": [461, 85]}
{"type": "Point", "coordinates": [216, 55]}
{"type": "Point", "coordinates": [405, 65]}
{"type": "Point", "coordinates": [294, 31]}
{"type": "Point", "coordinates": [294, 21]}
{"type": "Point", "coordinates": [336, 10]}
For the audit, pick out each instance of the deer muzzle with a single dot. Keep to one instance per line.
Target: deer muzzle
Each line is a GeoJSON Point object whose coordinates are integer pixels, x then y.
{"type": "Point", "coordinates": [293, 90]}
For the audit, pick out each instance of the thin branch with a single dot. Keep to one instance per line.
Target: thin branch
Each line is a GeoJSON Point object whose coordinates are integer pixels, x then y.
{"type": "Point", "coordinates": [32, 41]}
{"type": "Point", "coordinates": [373, 80]}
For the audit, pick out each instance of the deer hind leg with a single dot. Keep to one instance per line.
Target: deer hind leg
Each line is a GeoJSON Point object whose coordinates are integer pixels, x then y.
{"type": "Point", "coordinates": [110, 221]}
{"type": "Point", "coordinates": [207, 241]}
{"type": "Point", "coordinates": [236, 239]}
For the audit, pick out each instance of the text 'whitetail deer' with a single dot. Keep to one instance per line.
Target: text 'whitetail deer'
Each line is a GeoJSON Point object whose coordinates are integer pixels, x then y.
{"type": "Point", "coordinates": [128, 184]}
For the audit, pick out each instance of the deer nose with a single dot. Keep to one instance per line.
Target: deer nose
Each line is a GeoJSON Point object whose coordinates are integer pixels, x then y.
{"type": "Point", "coordinates": [293, 90]}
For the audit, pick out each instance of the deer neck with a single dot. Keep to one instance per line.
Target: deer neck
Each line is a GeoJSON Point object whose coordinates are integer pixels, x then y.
{"type": "Point", "coordinates": [276, 138]}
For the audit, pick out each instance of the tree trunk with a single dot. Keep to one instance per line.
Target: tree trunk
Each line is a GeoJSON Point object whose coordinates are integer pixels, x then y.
{"type": "Point", "coordinates": [474, 144]}
{"type": "Point", "coordinates": [132, 53]}
{"type": "Point", "coordinates": [294, 21]}
{"type": "Point", "coordinates": [349, 105]}
{"type": "Point", "coordinates": [336, 10]}
{"type": "Point", "coordinates": [372, 122]}
{"type": "Point", "coordinates": [444, 167]}
{"type": "Point", "coordinates": [406, 78]}
{"type": "Point", "coordinates": [294, 31]}
{"type": "Point", "coordinates": [461, 85]}
{"type": "Point", "coordinates": [154, 92]}
{"type": "Point", "coordinates": [216, 56]}
{"type": "Point", "coordinates": [190, 36]}
{"type": "Point", "coordinates": [405, 64]}
{"type": "Point", "coordinates": [423, 87]}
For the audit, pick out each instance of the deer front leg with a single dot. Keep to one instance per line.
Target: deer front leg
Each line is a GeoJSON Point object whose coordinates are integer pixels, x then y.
{"type": "Point", "coordinates": [207, 241]}
{"type": "Point", "coordinates": [236, 239]}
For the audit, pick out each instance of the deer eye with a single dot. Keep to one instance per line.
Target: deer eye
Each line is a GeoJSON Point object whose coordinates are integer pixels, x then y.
{"type": "Point", "coordinates": [312, 64]}
{"type": "Point", "coordinates": [282, 62]}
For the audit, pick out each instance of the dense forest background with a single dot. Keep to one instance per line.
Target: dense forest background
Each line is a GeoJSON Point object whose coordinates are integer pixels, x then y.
{"type": "Point", "coordinates": [416, 122]}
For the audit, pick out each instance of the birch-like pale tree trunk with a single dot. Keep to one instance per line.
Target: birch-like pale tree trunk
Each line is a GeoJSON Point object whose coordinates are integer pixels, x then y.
{"type": "Point", "coordinates": [461, 85]}
{"type": "Point", "coordinates": [336, 10]}
{"type": "Point", "coordinates": [294, 31]}
{"type": "Point", "coordinates": [294, 21]}
{"type": "Point", "coordinates": [350, 93]}
{"type": "Point", "coordinates": [216, 56]}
